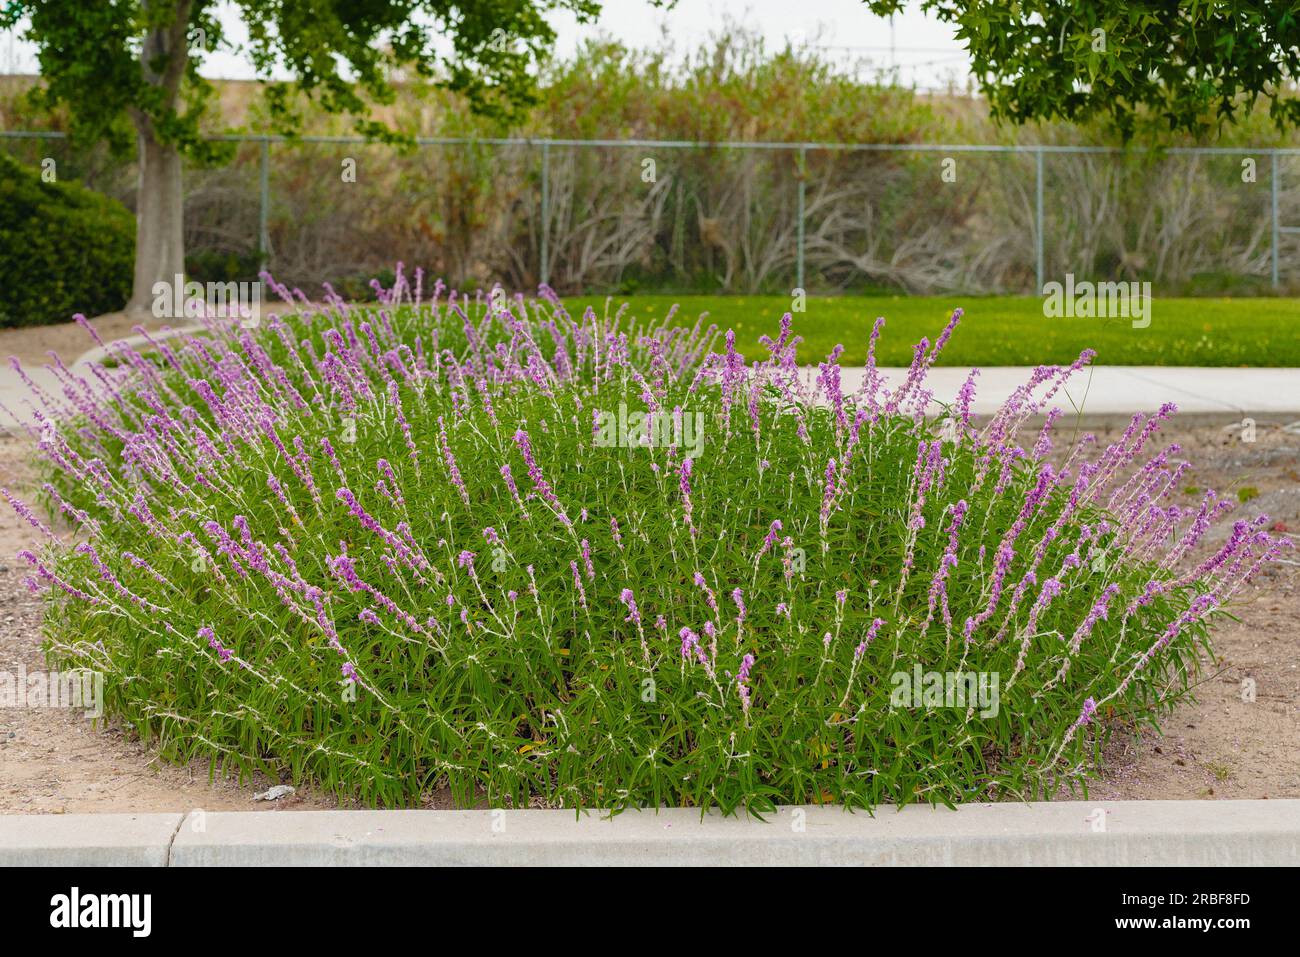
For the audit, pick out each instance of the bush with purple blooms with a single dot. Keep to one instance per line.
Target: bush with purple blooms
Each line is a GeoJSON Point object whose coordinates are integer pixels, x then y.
{"type": "Point", "coordinates": [581, 561]}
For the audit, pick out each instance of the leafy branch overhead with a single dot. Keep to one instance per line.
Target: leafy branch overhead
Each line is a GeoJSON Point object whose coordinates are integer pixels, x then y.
{"type": "Point", "coordinates": [1185, 66]}
{"type": "Point", "coordinates": [112, 67]}
{"type": "Point", "coordinates": [129, 72]}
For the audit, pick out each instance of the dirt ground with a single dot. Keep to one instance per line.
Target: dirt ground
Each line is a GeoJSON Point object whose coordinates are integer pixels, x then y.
{"type": "Point", "coordinates": [1219, 746]}
{"type": "Point", "coordinates": [1223, 744]}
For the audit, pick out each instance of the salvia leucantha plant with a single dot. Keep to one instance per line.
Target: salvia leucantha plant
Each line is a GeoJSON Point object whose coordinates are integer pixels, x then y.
{"type": "Point", "coordinates": [581, 561]}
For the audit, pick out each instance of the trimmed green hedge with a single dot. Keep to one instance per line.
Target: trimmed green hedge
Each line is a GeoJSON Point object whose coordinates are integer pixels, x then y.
{"type": "Point", "coordinates": [63, 249]}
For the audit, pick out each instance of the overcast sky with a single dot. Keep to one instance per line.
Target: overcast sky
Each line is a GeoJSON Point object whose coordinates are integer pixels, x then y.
{"type": "Point", "coordinates": [923, 50]}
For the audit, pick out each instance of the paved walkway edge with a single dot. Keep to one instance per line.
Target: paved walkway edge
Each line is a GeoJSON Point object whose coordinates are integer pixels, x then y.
{"type": "Point", "coordinates": [1078, 833]}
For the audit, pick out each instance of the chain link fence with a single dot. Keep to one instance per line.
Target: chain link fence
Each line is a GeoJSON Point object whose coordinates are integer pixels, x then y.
{"type": "Point", "coordinates": [651, 215]}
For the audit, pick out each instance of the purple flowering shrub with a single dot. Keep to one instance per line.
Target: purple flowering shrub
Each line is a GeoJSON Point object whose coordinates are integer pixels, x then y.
{"type": "Point", "coordinates": [534, 556]}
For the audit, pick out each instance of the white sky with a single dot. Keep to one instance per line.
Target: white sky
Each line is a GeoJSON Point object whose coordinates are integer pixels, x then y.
{"type": "Point", "coordinates": [924, 50]}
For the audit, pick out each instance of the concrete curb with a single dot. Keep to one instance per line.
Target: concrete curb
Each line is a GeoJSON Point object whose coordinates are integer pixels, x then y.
{"type": "Point", "coordinates": [1163, 833]}
{"type": "Point", "coordinates": [87, 840]}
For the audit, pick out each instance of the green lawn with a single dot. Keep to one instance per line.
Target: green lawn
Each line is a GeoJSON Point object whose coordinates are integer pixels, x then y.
{"type": "Point", "coordinates": [1002, 330]}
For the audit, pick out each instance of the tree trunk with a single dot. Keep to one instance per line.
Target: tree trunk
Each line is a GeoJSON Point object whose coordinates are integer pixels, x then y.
{"type": "Point", "coordinates": [159, 233]}
{"type": "Point", "coordinates": [159, 215]}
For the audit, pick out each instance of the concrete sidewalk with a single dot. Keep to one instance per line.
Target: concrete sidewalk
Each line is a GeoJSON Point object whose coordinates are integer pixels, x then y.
{"type": "Point", "coordinates": [1096, 390]}
{"type": "Point", "coordinates": [1073, 833]}
{"type": "Point", "coordinates": [1101, 390]}
{"type": "Point", "coordinates": [15, 399]}
{"type": "Point", "coordinates": [1123, 390]}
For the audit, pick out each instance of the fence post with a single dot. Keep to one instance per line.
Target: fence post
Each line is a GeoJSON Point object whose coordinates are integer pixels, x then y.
{"type": "Point", "coordinates": [802, 173]}
{"type": "Point", "coordinates": [546, 211]}
{"type": "Point", "coordinates": [264, 206]}
{"type": "Point", "coordinates": [1038, 220]}
{"type": "Point", "coordinates": [1273, 189]}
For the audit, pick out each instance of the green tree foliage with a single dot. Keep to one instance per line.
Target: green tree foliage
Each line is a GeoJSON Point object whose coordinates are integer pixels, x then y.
{"type": "Point", "coordinates": [344, 54]}
{"type": "Point", "coordinates": [131, 68]}
{"type": "Point", "coordinates": [1184, 66]}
